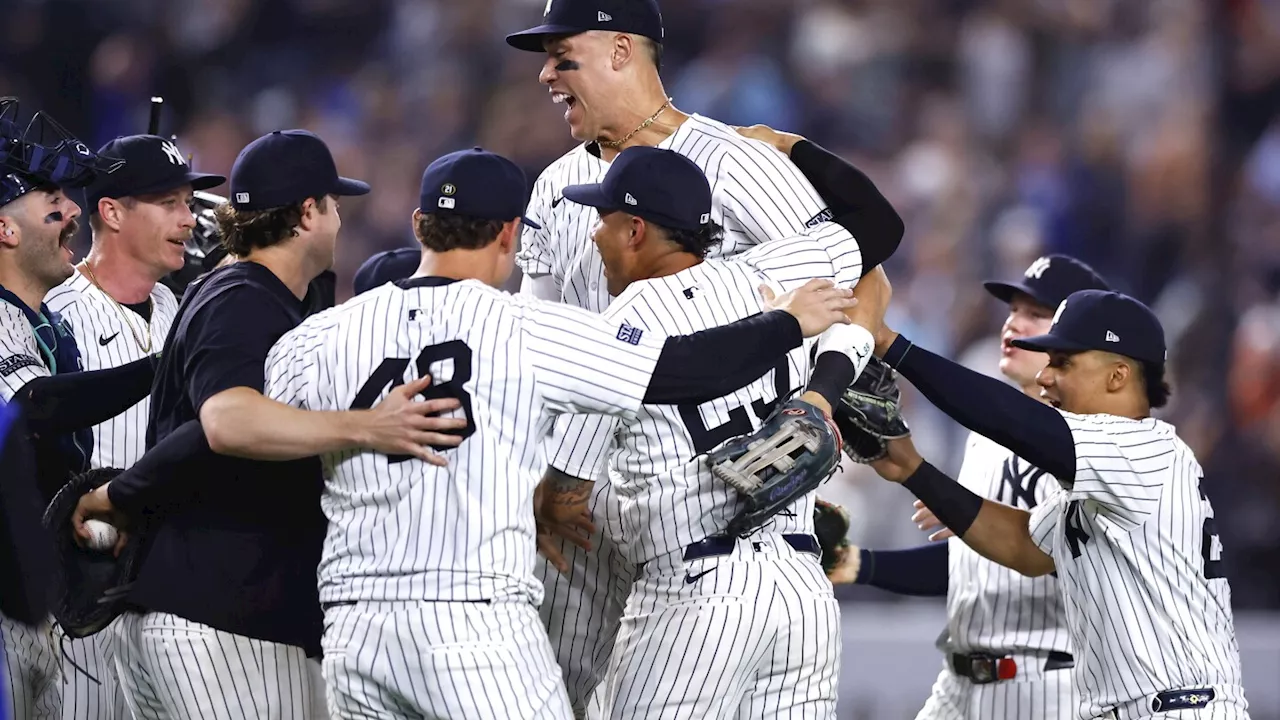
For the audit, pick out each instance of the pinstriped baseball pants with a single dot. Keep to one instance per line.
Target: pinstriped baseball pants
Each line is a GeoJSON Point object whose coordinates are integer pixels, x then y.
{"type": "Point", "coordinates": [32, 679]}
{"type": "Point", "coordinates": [441, 660]}
{"type": "Point", "coordinates": [175, 669]}
{"type": "Point", "coordinates": [91, 690]}
{"type": "Point", "coordinates": [754, 634]}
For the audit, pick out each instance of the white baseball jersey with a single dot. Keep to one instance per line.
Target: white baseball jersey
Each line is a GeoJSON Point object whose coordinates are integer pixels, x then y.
{"type": "Point", "coordinates": [989, 606]}
{"type": "Point", "coordinates": [400, 529]}
{"type": "Point", "coordinates": [1138, 560]}
{"type": "Point", "coordinates": [756, 195]}
{"type": "Point", "coordinates": [108, 335]}
{"type": "Point", "coordinates": [668, 498]}
{"type": "Point", "coordinates": [20, 358]}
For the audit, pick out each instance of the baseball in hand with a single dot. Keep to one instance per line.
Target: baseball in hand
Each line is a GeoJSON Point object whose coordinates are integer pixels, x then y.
{"type": "Point", "coordinates": [102, 535]}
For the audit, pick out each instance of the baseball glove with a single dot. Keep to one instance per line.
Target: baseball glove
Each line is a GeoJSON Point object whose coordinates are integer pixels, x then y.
{"type": "Point", "coordinates": [90, 586]}
{"type": "Point", "coordinates": [831, 525]}
{"type": "Point", "coordinates": [869, 414]}
{"type": "Point", "coordinates": [793, 452]}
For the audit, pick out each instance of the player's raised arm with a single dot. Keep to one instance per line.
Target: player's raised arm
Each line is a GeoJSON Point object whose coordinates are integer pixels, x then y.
{"type": "Point", "coordinates": [854, 202]}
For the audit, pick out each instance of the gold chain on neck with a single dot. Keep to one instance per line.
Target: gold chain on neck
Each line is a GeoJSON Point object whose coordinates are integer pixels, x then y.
{"type": "Point", "coordinates": [615, 144]}
{"type": "Point", "coordinates": [123, 317]}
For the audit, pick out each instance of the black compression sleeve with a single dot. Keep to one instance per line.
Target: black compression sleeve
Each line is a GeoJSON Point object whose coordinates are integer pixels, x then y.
{"type": "Point", "coordinates": [832, 374]}
{"type": "Point", "coordinates": [1032, 430]}
{"type": "Point", "coordinates": [855, 201]}
{"type": "Point", "coordinates": [143, 486]}
{"type": "Point", "coordinates": [712, 363]}
{"type": "Point", "coordinates": [916, 571]}
{"type": "Point", "coordinates": [74, 401]}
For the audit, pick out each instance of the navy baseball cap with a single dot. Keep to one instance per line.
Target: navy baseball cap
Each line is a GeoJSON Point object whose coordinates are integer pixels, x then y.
{"type": "Point", "coordinates": [152, 164]}
{"type": "Point", "coordinates": [477, 184]}
{"type": "Point", "coordinates": [387, 266]}
{"type": "Point", "coordinates": [1102, 320]}
{"type": "Point", "coordinates": [570, 17]}
{"type": "Point", "coordinates": [1049, 280]}
{"type": "Point", "coordinates": [659, 185]}
{"type": "Point", "coordinates": [286, 167]}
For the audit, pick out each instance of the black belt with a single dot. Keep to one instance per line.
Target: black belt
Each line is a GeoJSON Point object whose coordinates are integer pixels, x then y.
{"type": "Point", "coordinates": [723, 545]}
{"type": "Point", "coordinates": [348, 603]}
{"type": "Point", "coordinates": [1170, 700]}
{"type": "Point", "coordinates": [983, 668]}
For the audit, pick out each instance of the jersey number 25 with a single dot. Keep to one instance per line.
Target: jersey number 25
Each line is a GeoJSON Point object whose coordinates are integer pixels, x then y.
{"type": "Point", "coordinates": [390, 374]}
{"type": "Point", "coordinates": [707, 439]}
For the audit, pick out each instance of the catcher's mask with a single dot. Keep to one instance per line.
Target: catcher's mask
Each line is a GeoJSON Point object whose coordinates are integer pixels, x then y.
{"type": "Point", "coordinates": [43, 155]}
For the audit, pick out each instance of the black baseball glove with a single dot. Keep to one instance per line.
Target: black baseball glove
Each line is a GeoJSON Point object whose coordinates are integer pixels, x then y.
{"type": "Point", "coordinates": [869, 414]}
{"type": "Point", "coordinates": [793, 452]}
{"type": "Point", "coordinates": [90, 586]}
{"type": "Point", "coordinates": [831, 525]}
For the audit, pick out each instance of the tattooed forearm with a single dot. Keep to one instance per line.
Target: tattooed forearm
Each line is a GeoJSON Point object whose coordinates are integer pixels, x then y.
{"type": "Point", "coordinates": [565, 489]}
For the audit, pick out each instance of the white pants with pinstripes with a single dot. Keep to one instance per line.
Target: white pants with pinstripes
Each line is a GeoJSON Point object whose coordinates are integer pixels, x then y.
{"type": "Point", "coordinates": [441, 660]}
{"type": "Point", "coordinates": [581, 609]}
{"type": "Point", "coordinates": [754, 634]}
{"type": "Point", "coordinates": [1035, 694]}
{"type": "Point", "coordinates": [91, 691]}
{"type": "Point", "coordinates": [32, 680]}
{"type": "Point", "coordinates": [175, 669]}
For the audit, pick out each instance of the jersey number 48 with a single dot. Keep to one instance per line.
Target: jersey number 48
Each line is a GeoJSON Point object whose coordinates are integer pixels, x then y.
{"type": "Point", "coordinates": [390, 374]}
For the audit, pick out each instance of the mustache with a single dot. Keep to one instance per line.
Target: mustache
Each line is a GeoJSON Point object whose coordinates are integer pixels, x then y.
{"type": "Point", "coordinates": [69, 231]}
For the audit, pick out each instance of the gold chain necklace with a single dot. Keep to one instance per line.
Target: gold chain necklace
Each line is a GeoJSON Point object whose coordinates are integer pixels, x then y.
{"type": "Point", "coordinates": [120, 310]}
{"type": "Point", "coordinates": [615, 144]}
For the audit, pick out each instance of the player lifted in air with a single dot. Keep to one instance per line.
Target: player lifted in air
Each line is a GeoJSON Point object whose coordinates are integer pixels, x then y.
{"type": "Point", "coordinates": [426, 578]}
{"type": "Point", "coordinates": [601, 61]}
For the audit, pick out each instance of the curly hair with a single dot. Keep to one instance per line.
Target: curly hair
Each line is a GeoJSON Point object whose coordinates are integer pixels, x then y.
{"type": "Point", "coordinates": [1157, 387]}
{"type": "Point", "coordinates": [243, 231]}
{"type": "Point", "coordinates": [698, 242]}
{"type": "Point", "coordinates": [444, 231]}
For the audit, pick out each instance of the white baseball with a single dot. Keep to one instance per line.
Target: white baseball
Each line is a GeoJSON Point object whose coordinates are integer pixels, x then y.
{"type": "Point", "coordinates": [102, 535]}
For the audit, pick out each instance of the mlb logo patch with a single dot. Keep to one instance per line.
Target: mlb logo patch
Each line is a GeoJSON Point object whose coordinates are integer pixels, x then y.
{"type": "Point", "coordinates": [629, 334]}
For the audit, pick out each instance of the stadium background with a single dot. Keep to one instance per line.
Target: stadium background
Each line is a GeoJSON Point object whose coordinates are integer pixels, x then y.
{"type": "Point", "coordinates": [1142, 137]}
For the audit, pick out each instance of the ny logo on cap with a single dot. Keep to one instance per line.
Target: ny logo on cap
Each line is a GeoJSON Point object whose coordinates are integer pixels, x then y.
{"type": "Point", "coordinates": [547, 10]}
{"type": "Point", "coordinates": [629, 199]}
{"type": "Point", "coordinates": [1112, 337]}
{"type": "Point", "coordinates": [1037, 268]}
{"type": "Point", "coordinates": [171, 152]}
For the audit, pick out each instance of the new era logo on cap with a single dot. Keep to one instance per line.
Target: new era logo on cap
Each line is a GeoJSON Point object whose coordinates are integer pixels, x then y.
{"type": "Point", "coordinates": [1112, 337]}
{"type": "Point", "coordinates": [629, 199]}
{"type": "Point", "coordinates": [603, 16]}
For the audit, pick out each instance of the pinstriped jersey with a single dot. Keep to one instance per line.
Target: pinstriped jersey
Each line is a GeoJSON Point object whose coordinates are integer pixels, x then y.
{"type": "Point", "coordinates": [668, 497]}
{"type": "Point", "coordinates": [108, 337]}
{"type": "Point", "coordinates": [757, 195]}
{"type": "Point", "coordinates": [989, 606]}
{"type": "Point", "coordinates": [20, 361]}
{"type": "Point", "coordinates": [400, 529]}
{"type": "Point", "coordinates": [1138, 558]}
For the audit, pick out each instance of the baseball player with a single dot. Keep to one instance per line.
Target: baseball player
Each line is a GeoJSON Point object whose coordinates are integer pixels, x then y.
{"type": "Point", "coordinates": [120, 312]}
{"type": "Point", "coordinates": [224, 606]}
{"type": "Point", "coordinates": [782, 657]}
{"type": "Point", "coordinates": [1131, 535]}
{"type": "Point", "coordinates": [426, 576]}
{"type": "Point", "coordinates": [1006, 646]}
{"type": "Point", "coordinates": [39, 358]}
{"type": "Point", "coordinates": [602, 63]}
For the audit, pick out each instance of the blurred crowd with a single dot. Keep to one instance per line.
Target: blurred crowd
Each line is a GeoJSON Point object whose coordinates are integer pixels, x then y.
{"type": "Point", "coordinates": [1142, 136]}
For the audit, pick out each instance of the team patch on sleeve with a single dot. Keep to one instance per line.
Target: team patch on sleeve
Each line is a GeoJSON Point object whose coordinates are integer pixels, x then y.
{"type": "Point", "coordinates": [11, 365]}
{"type": "Point", "coordinates": [825, 216]}
{"type": "Point", "coordinates": [630, 334]}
